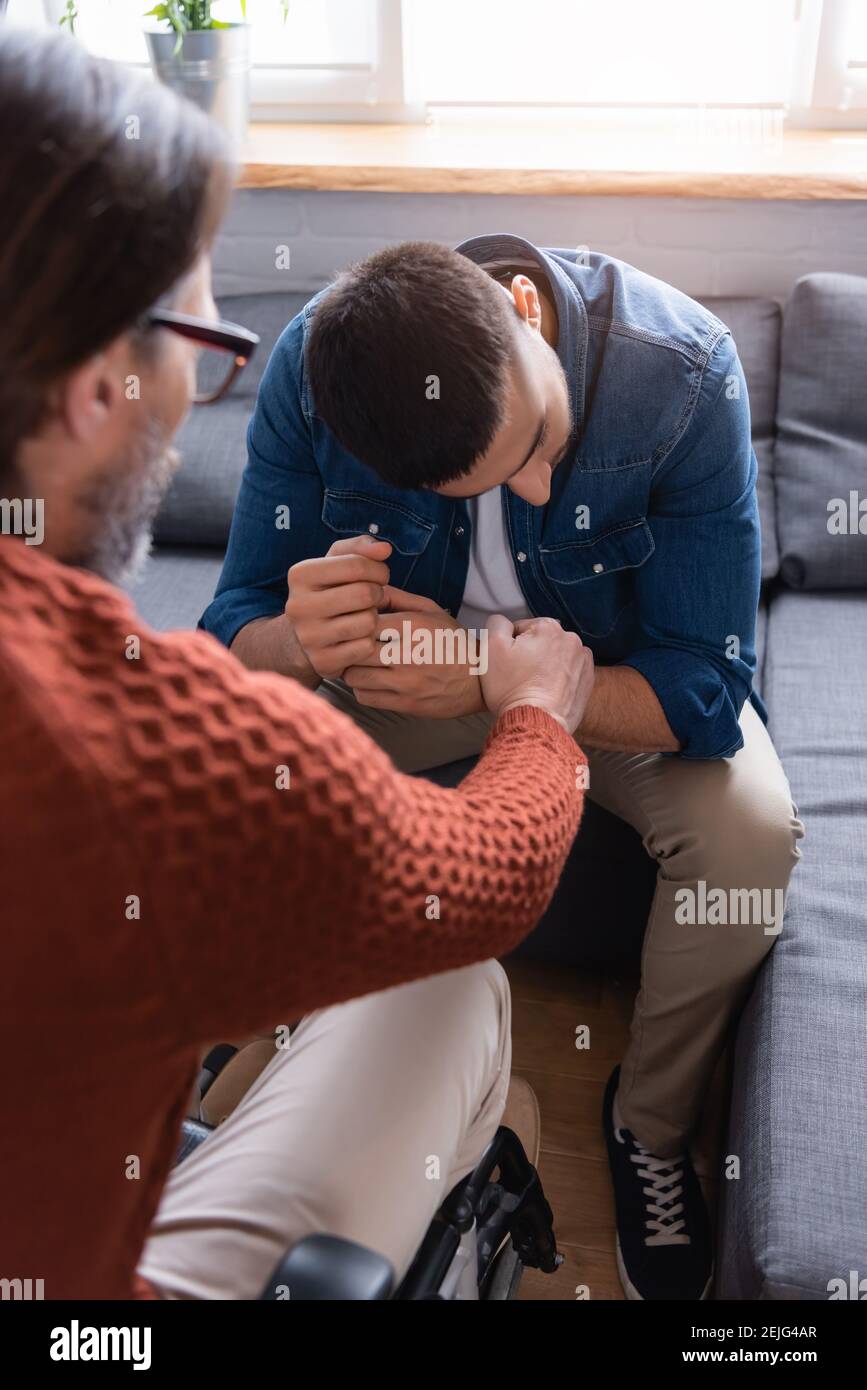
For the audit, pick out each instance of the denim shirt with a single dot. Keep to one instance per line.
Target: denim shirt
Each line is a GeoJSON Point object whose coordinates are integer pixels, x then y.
{"type": "Point", "coordinates": [649, 545]}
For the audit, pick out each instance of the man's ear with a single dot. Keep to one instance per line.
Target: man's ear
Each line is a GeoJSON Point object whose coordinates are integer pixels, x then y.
{"type": "Point", "coordinates": [527, 302]}
{"type": "Point", "coordinates": [89, 396]}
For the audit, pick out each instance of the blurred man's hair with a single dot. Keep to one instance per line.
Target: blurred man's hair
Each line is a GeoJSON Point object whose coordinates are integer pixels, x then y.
{"type": "Point", "coordinates": [408, 358]}
{"type": "Point", "coordinates": [111, 187]}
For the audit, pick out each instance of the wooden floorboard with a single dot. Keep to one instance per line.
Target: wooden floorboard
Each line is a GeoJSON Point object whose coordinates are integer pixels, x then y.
{"type": "Point", "coordinates": [584, 1274]}
{"type": "Point", "coordinates": [549, 1002]}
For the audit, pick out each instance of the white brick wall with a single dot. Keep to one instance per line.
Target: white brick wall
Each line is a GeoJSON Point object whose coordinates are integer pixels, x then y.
{"type": "Point", "coordinates": [702, 245]}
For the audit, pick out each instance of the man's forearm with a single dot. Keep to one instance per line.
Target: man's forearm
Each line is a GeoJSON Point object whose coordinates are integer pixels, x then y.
{"type": "Point", "coordinates": [624, 715]}
{"type": "Point", "coordinates": [270, 644]}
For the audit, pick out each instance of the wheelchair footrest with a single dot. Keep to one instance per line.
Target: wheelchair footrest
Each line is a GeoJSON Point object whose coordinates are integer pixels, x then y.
{"type": "Point", "coordinates": [513, 1207]}
{"type": "Point", "coordinates": [516, 1206]}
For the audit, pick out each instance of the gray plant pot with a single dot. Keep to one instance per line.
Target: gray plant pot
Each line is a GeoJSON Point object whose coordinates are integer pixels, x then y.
{"type": "Point", "coordinates": [211, 69]}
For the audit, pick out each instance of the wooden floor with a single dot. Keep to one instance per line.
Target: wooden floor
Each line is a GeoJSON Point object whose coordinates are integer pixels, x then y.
{"type": "Point", "coordinates": [549, 1003]}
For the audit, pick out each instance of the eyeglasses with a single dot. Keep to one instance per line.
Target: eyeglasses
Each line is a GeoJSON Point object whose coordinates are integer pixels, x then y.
{"type": "Point", "coordinates": [224, 339]}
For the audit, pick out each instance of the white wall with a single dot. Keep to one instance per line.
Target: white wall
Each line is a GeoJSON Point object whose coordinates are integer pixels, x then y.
{"type": "Point", "coordinates": [704, 246]}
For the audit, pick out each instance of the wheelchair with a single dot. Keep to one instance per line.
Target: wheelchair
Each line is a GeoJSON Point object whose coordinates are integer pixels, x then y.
{"type": "Point", "coordinates": [492, 1225]}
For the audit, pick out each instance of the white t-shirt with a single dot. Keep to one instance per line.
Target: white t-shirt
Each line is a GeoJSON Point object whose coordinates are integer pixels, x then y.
{"type": "Point", "coordinates": [492, 581]}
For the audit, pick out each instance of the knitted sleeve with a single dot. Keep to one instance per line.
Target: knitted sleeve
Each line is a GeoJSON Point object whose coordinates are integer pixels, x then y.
{"type": "Point", "coordinates": [280, 862]}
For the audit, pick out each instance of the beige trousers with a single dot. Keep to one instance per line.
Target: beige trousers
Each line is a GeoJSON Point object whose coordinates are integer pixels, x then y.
{"type": "Point", "coordinates": [360, 1128]}
{"type": "Point", "coordinates": [727, 825]}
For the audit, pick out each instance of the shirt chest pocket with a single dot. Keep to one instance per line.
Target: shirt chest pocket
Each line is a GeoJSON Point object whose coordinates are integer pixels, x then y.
{"type": "Point", "coordinates": [362, 514]}
{"type": "Point", "coordinates": [595, 578]}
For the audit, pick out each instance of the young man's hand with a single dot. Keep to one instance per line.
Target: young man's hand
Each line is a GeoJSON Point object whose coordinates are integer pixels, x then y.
{"type": "Point", "coordinates": [334, 602]}
{"type": "Point", "coordinates": [436, 691]}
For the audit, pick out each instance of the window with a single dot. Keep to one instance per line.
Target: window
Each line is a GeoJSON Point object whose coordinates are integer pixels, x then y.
{"type": "Point", "coordinates": [394, 59]}
{"type": "Point", "coordinates": [330, 59]}
{"type": "Point", "coordinates": [840, 80]}
{"type": "Point", "coordinates": [623, 52]}
{"type": "Point", "coordinates": [807, 58]}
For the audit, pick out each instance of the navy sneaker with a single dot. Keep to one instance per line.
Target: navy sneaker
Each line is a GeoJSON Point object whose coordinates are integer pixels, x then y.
{"type": "Point", "coordinates": [664, 1248]}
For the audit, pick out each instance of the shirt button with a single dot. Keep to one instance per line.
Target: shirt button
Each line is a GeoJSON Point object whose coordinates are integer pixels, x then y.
{"type": "Point", "coordinates": [521, 555]}
{"type": "Point", "coordinates": [373, 528]}
{"type": "Point", "coordinates": [459, 530]}
{"type": "Point", "coordinates": [597, 568]}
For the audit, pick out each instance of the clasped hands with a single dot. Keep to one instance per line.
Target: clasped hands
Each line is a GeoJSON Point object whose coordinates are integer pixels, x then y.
{"type": "Point", "coordinates": [339, 606]}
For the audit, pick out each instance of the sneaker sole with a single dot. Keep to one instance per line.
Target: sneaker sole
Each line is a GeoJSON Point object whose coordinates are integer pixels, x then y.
{"type": "Point", "coordinates": [631, 1291]}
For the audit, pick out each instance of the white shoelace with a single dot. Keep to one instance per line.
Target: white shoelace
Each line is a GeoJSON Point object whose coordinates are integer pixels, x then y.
{"type": "Point", "coordinates": [662, 1174]}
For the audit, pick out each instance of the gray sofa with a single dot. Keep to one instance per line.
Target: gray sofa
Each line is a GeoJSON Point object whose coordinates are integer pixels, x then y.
{"type": "Point", "coordinates": [797, 1216]}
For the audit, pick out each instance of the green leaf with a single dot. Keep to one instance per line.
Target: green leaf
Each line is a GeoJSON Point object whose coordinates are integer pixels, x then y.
{"type": "Point", "coordinates": [70, 16]}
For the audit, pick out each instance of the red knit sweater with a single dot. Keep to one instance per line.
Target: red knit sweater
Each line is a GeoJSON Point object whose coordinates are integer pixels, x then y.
{"type": "Point", "coordinates": [161, 890]}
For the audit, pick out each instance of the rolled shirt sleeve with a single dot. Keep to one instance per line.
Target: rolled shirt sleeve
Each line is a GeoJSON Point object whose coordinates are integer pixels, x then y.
{"type": "Point", "coordinates": [698, 593]}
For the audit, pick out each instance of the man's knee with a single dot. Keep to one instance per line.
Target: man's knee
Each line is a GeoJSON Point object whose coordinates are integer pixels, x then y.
{"type": "Point", "coordinates": [727, 823]}
{"type": "Point", "coordinates": [756, 839]}
{"type": "Point", "coordinates": [735, 832]}
{"type": "Point", "coordinates": [478, 994]}
{"type": "Point", "coordinates": [734, 865]}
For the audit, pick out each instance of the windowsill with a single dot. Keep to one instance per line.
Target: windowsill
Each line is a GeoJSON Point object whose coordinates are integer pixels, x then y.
{"type": "Point", "coordinates": [535, 153]}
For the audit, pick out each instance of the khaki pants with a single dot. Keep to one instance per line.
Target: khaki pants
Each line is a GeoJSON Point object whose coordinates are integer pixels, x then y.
{"type": "Point", "coordinates": [360, 1128]}
{"type": "Point", "coordinates": [726, 824]}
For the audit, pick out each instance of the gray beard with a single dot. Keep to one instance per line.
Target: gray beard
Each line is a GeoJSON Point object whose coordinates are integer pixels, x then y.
{"type": "Point", "coordinates": [120, 508]}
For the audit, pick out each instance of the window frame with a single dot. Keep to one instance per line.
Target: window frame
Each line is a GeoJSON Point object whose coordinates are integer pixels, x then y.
{"type": "Point", "coordinates": [824, 70]}
{"type": "Point", "coordinates": [373, 91]}
{"type": "Point", "coordinates": [378, 91]}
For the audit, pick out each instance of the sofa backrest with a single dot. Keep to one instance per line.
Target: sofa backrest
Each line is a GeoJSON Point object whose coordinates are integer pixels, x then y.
{"type": "Point", "coordinates": [821, 454]}
{"type": "Point", "coordinates": [213, 439]}
{"type": "Point", "coordinates": [755, 325]}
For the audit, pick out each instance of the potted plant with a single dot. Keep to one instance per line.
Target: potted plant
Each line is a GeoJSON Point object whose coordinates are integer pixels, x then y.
{"type": "Point", "coordinates": [205, 59]}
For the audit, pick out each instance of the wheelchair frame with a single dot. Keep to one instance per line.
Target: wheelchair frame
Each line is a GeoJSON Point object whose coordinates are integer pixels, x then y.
{"type": "Point", "coordinates": [492, 1224]}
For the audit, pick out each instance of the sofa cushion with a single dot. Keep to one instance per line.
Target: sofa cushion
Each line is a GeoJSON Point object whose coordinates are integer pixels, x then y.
{"type": "Point", "coordinates": [755, 326]}
{"type": "Point", "coordinates": [176, 585]}
{"type": "Point", "coordinates": [798, 1216]}
{"type": "Point", "coordinates": [213, 439]}
{"type": "Point", "coordinates": [821, 455]}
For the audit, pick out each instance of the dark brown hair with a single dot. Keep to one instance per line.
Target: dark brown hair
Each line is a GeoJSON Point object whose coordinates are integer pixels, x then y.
{"type": "Point", "coordinates": [381, 335]}
{"type": "Point", "coordinates": [110, 187]}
